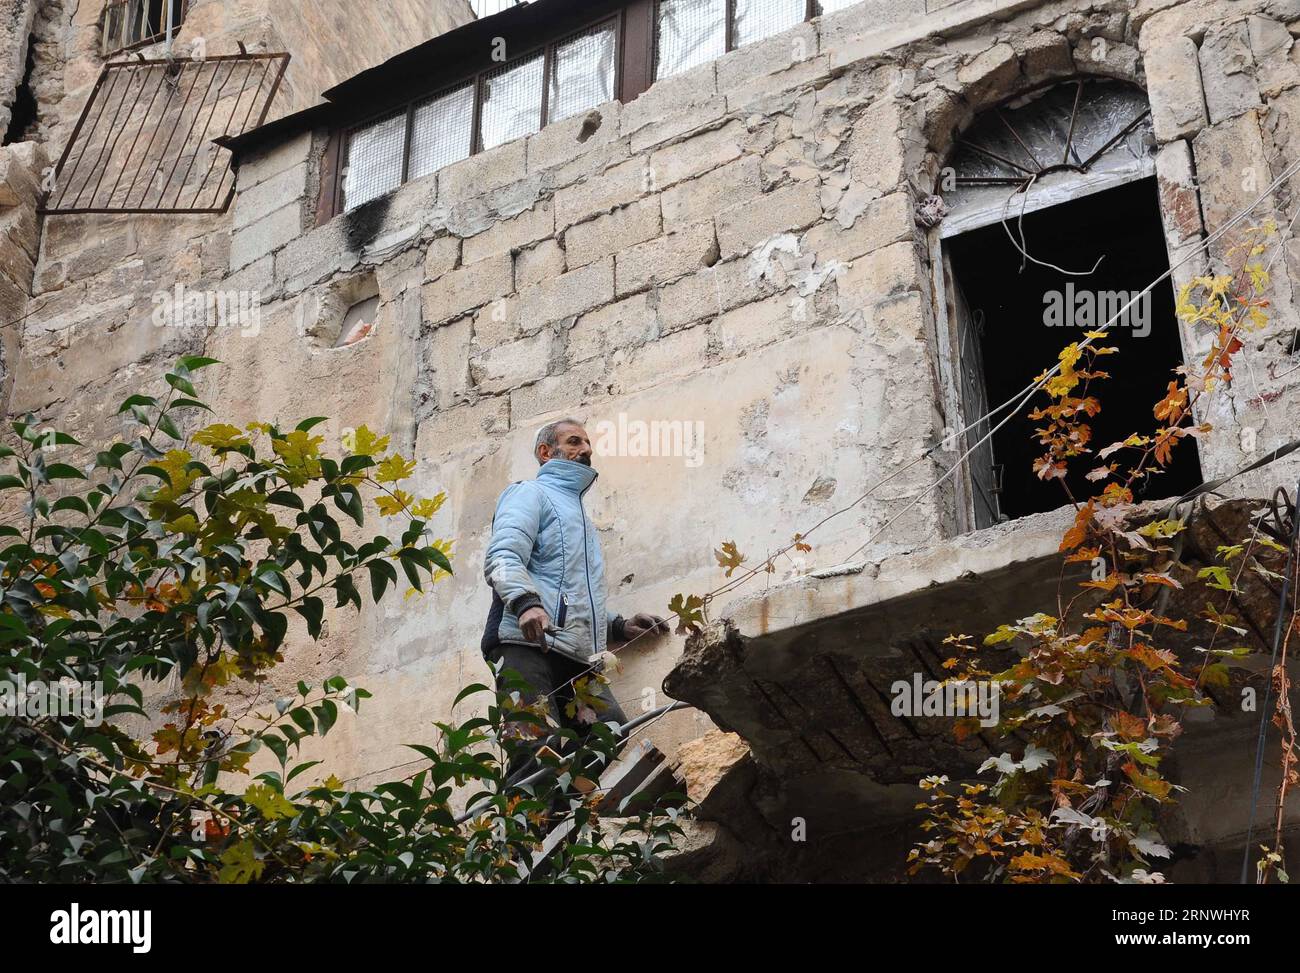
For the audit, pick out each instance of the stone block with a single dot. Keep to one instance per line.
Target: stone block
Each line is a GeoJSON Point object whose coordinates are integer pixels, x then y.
{"type": "Point", "coordinates": [665, 258]}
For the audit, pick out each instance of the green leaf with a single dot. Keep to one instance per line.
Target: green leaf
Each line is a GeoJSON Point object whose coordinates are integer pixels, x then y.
{"type": "Point", "coordinates": [382, 574]}
{"type": "Point", "coordinates": [180, 384]}
{"type": "Point", "coordinates": [62, 471]}
{"type": "Point", "coordinates": [313, 610]}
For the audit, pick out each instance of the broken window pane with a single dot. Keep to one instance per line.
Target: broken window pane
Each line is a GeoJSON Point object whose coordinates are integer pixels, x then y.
{"type": "Point", "coordinates": [687, 33]}
{"type": "Point", "coordinates": [441, 131]}
{"type": "Point", "coordinates": [128, 23]}
{"type": "Point", "coordinates": [374, 160]}
{"type": "Point", "coordinates": [512, 102]}
{"type": "Point", "coordinates": [756, 19]}
{"type": "Point", "coordinates": [1049, 135]}
{"type": "Point", "coordinates": [582, 73]}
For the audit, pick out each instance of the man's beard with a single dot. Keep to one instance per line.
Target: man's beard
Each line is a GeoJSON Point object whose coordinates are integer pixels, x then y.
{"type": "Point", "coordinates": [584, 460]}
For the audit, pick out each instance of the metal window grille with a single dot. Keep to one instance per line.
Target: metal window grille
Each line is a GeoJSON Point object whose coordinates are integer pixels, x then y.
{"type": "Point", "coordinates": [583, 70]}
{"type": "Point", "coordinates": [132, 23]}
{"type": "Point", "coordinates": [1077, 126]}
{"type": "Point", "coordinates": [757, 19]}
{"type": "Point", "coordinates": [441, 131]}
{"type": "Point", "coordinates": [375, 157]}
{"type": "Point", "coordinates": [512, 101]}
{"type": "Point", "coordinates": [145, 140]}
{"type": "Point", "coordinates": [688, 33]}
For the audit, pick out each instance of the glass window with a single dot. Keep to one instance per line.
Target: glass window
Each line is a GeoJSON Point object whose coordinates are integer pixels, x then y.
{"type": "Point", "coordinates": [374, 160]}
{"type": "Point", "coordinates": [688, 33]}
{"type": "Point", "coordinates": [582, 73]}
{"type": "Point", "coordinates": [128, 23]}
{"type": "Point", "coordinates": [512, 101]}
{"type": "Point", "coordinates": [756, 19]}
{"type": "Point", "coordinates": [441, 131]}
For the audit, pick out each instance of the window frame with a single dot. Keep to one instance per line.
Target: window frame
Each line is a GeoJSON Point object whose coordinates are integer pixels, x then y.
{"type": "Point", "coordinates": [339, 142]}
{"type": "Point", "coordinates": [636, 59]}
{"type": "Point", "coordinates": [146, 42]}
{"type": "Point", "coordinates": [729, 41]}
{"type": "Point", "coordinates": [944, 300]}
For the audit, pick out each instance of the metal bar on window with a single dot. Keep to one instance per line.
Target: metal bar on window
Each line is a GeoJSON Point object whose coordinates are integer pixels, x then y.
{"type": "Point", "coordinates": [212, 112]}
{"type": "Point", "coordinates": [162, 77]}
{"type": "Point", "coordinates": [162, 191]}
{"type": "Point", "coordinates": [88, 143]}
{"type": "Point", "coordinates": [118, 137]}
{"type": "Point", "coordinates": [226, 129]}
{"type": "Point", "coordinates": [406, 141]}
{"type": "Point", "coordinates": [124, 139]}
{"type": "Point", "coordinates": [476, 123]}
{"type": "Point", "coordinates": [153, 137]}
{"type": "Point", "coordinates": [548, 67]}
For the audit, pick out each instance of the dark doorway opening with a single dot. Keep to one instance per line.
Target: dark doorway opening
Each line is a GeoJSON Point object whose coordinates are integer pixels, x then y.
{"type": "Point", "coordinates": [1011, 308]}
{"type": "Point", "coordinates": [23, 114]}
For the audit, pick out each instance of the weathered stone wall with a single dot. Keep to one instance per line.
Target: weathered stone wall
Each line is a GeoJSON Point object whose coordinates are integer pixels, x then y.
{"type": "Point", "coordinates": [737, 247]}
{"type": "Point", "coordinates": [21, 165]}
{"type": "Point", "coordinates": [16, 19]}
{"type": "Point", "coordinates": [96, 275]}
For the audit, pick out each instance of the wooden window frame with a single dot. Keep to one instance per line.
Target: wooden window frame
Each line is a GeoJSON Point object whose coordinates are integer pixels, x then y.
{"type": "Point", "coordinates": [147, 42]}
{"type": "Point", "coordinates": [336, 151]}
{"type": "Point", "coordinates": [636, 57]}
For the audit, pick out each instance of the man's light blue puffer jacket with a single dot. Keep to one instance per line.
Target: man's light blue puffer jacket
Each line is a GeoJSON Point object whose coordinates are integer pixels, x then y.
{"type": "Point", "coordinates": [544, 551]}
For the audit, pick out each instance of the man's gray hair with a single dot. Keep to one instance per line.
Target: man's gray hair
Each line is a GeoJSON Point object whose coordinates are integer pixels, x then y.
{"type": "Point", "coordinates": [549, 433]}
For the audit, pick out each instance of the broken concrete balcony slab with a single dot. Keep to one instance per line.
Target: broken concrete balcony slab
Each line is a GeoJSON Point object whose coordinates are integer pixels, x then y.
{"type": "Point", "coordinates": [804, 671]}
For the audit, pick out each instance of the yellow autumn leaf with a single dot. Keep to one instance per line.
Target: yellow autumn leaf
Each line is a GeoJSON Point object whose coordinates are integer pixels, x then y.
{"type": "Point", "coordinates": [390, 506]}
{"type": "Point", "coordinates": [394, 469]}
{"type": "Point", "coordinates": [429, 506]}
{"type": "Point", "coordinates": [220, 436]}
{"type": "Point", "coordinates": [363, 442]}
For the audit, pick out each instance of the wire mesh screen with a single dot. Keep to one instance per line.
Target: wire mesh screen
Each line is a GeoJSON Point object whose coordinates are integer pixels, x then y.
{"type": "Point", "coordinates": [687, 33]}
{"type": "Point", "coordinates": [376, 153]}
{"type": "Point", "coordinates": [144, 142]}
{"type": "Point", "coordinates": [830, 6]}
{"type": "Point", "coordinates": [756, 19]}
{"type": "Point", "coordinates": [487, 8]}
{"type": "Point", "coordinates": [441, 130]}
{"type": "Point", "coordinates": [512, 101]}
{"type": "Point", "coordinates": [582, 72]}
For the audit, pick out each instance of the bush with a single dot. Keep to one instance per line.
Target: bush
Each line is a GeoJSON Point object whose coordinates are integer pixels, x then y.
{"type": "Point", "coordinates": [165, 574]}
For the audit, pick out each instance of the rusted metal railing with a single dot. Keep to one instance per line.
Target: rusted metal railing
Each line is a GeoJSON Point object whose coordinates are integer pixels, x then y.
{"type": "Point", "coordinates": [143, 143]}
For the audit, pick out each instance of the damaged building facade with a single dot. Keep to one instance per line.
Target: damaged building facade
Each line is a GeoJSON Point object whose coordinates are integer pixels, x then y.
{"type": "Point", "coordinates": [777, 255]}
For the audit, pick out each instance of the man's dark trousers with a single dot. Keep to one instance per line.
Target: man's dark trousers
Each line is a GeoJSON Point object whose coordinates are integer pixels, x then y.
{"type": "Point", "coordinates": [552, 675]}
